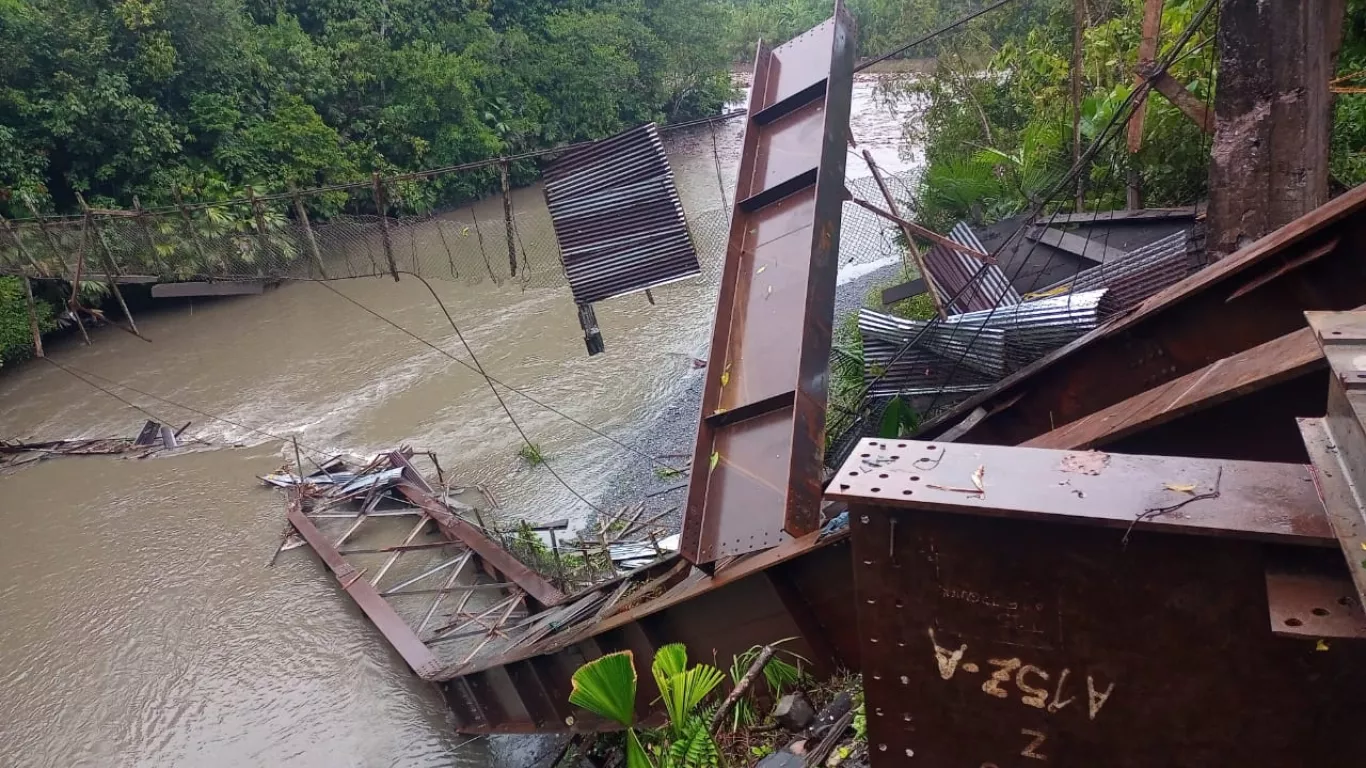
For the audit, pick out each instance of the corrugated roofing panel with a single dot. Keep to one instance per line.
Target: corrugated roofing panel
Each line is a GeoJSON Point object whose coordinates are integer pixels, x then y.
{"type": "Point", "coordinates": [954, 271]}
{"type": "Point", "coordinates": [617, 216]}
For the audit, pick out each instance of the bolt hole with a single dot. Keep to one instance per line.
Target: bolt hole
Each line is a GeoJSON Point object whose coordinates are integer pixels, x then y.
{"type": "Point", "coordinates": [901, 445]}
{"type": "Point", "coordinates": [882, 476]}
{"type": "Point", "coordinates": [875, 490]}
{"type": "Point", "coordinates": [1293, 622]}
{"type": "Point", "coordinates": [1345, 602]}
{"type": "Point", "coordinates": [864, 455]}
{"type": "Point", "coordinates": [1337, 333]}
{"type": "Point", "coordinates": [1320, 611]}
{"type": "Point", "coordinates": [929, 447]}
{"type": "Point", "coordinates": [907, 492]}
{"type": "Point", "coordinates": [894, 458]}
{"type": "Point", "coordinates": [844, 486]}
{"type": "Point", "coordinates": [853, 474]}
{"type": "Point", "coordinates": [915, 478]}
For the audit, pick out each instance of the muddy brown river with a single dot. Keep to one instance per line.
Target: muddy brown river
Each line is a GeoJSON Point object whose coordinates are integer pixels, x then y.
{"type": "Point", "coordinates": [139, 624]}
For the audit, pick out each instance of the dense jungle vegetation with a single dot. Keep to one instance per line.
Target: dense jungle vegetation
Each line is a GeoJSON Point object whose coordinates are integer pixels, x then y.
{"type": "Point", "coordinates": [124, 98]}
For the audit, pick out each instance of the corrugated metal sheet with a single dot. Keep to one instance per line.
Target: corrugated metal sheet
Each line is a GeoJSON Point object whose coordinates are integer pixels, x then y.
{"type": "Point", "coordinates": [983, 346]}
{"type": "Point", "coordinates": [617, 217]}
{"type": "Point", "coordinates": [954, 271]}
{"type": "Point", "coordinates": [1137, 275]}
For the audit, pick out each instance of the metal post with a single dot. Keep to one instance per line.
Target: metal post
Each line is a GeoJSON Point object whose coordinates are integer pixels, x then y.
{"type": "Point", "coordinates": [258, 212]}
{"type": "Point", "coordinates": [33, 318]}
{"type": "Point", "coordinates": [302, 213]}
{"type": "Point", "coordinates": [909, 235]}
{"type": "Point", "coordinates": [592, 335]}
{"type": "Point", "coordinates": [559, 564]}
{"type": "Point", "coordinates": [72, 304]}
{"type": "Point", "coordinates": [190, 230]}
{"type": "Point", "coordinates": [382, 207]}
{"type": "Point", "coordinates": [507, 217]}
{"type": "Point", "coordinates": [110, 269]}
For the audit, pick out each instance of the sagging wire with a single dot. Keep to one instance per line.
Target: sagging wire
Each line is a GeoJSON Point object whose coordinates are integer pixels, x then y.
{"type": "Point", "coordinates": [625, 446]}
{"type": "Point", "coordinates": [932, 35]}
{"type": "Point", "coordinates": [1103, 138]}
{"type": "Point", "coordinates": [82, 374]}
{"type": "Point", "coordinates": [492, 382]}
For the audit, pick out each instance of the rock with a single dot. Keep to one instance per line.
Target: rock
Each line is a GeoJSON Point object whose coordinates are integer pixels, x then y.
{"type": "Point", "coordinates": [781, 760]}
{"type": "Point", "coordinates": [797, 747]}
{"type": "Point", "coordinates": [831, 714]}
{"type": "Point", "coordinates": [793, 712]}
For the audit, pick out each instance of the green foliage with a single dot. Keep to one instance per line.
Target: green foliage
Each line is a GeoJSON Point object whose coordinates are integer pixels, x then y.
{"type": "Point", "coordinates": [898, 420]}
{"type": "Point", "coordinates": [997, 115]}
{"type": "Point", "coordinates": [607, 687]}
{"type": "Point", "coordinates": [780, 675]}
{"type": "Point", "coordinates": [531, 453]}
{"type": "Point", "coordinates": [16, 335]}
{"type": "Point", "coordinates": [143, 96]}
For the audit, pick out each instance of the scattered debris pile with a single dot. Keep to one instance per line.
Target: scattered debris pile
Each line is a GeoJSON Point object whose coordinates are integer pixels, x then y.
{"type": "Point", "coordinates": [440, 583]}
{"type": "Point", "coordinates": [154, 438]}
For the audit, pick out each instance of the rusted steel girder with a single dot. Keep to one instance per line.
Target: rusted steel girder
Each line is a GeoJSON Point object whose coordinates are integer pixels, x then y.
{"type": "Point", "coordinates": [1337, 442]}
{"type": "Point", "coordinates": [1027, 623]}
{"type": "Point", "coordinates": [1251, 297]}
{"type": "Point", "coordinates": [1241, 407]}
{"type": "Point", "coordinates": [760, 438]}
{"type": "Point", "coordinates": [497, 561]}
{"type": "Point", "coordinates": [403, 639]}
{"type": "Point", "coordinates": [799, 589]}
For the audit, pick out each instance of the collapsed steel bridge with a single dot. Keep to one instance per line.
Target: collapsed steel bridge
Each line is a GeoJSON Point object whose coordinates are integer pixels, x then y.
{"type": "Point", "coordinates": [1146, 547]}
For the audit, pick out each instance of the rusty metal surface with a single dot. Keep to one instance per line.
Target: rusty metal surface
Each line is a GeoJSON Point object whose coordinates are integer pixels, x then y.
{"type": "Point", "coordinates": [403, 639]}
{"type": "Point", "coordinates": [1312, 598]}
{"type": "Point", "coordinates": [618, 218]}
{"type": "Point", "coordinates": [1237, 376]}
{"type": "Point", "coordinates": [1134, 276]}
{"type": "Point", "coordinates": [797, 590]}
{"type": "Point", "coordinates": [1183, 328]}
{"type": "Point", "coordinates": [1020, 642]}
{"type": "Point", "coordinates": [763, 404]}
{"type": "Point", "coordinates": [958, 274]}
{"type": "Point", "coordinates": [1337, 443]}
{"type": "Point", "coordinates": [1256, 500]}
{"type": "Point", "coordinates": [498, 560]}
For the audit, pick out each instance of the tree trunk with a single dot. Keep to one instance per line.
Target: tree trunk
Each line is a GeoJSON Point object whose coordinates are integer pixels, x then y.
{"type": "Point", "coordinates": [1273, 116]}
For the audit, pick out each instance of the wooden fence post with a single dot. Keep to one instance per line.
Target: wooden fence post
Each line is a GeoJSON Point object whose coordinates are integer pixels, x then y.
{"type": "Point", "coordinates": [507, 217]}
{"type": "Point", "coordinates": [111, 270]}
{"type": "Point", "coordinates": [910, 239]}
{"type": "Point", "coordinates": [302, 214]}
{"type": "Point", "coordinates": [190, 230]}
{"type": "Point", "coordinates": [258, 212]}
{"type": "Point", "coordinates": [33, 317]}
{"type": "Point", "coordinates": [74, 303]}
{"type": "Point", "coordinates": [382, 206]}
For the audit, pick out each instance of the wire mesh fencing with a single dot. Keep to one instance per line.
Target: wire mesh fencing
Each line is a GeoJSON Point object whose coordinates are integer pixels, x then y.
{"type": "Point", "coordinates": [279, 240]}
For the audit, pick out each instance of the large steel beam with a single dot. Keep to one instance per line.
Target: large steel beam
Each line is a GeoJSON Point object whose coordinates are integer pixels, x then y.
{"type": "Point", "coordinates": [761, 432]}
{"type": "Point", "coordinates": [1173, 409]}
{"type": "Point", "coordinates": [1337, 442]}
{"type": "Point", "coordinates": [1076, 612]}
{"type": "Point", "coordinates": [1247, 299]}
